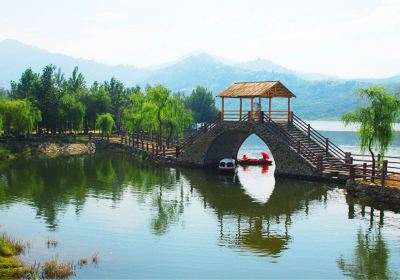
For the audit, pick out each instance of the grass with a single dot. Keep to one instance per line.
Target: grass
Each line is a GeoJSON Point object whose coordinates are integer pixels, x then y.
{"type": "Point", "coordinates": [53, 269]}
{"type": "Point", "coordinates": [10, 246]}
{"type": "Point", "coordinates": [10, 267]}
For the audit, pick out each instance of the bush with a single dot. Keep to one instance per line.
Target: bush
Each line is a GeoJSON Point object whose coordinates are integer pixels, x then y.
{"type": "Point", "coordinates": [105, 123]}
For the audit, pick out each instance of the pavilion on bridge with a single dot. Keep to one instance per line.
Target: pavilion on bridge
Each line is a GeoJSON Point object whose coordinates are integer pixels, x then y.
{"type": "Point", "coordinates": [258, 91]}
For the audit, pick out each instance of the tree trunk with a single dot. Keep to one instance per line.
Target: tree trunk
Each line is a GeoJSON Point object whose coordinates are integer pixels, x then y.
{"type": "Point", "coordinates": [373, 160]}
{"type": "Point", "coordinates": [170, 134]}
{"type": "Point", "coordinates": [159, 128]}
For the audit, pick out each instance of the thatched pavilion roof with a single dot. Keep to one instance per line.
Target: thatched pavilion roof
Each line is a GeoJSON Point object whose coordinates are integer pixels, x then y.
{"type": "Point", "coordinates": [257, 89]}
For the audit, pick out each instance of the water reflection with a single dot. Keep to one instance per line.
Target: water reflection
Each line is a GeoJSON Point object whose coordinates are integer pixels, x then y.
{"type": "Point", "coordinates": [370, 259]}
{"type": "Point", "coordinates": [257, 182]}
{"type": "Point", "coordinates": [254, 213]}
{"type": "Point", "coordinates": [247, 224]}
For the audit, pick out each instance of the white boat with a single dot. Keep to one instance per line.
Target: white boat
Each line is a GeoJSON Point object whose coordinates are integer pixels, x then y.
{"type": "Point", "coordinates": [227, 165]}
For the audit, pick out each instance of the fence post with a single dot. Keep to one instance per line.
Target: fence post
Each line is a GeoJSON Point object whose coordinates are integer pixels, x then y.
{"type": "Point", "coordinates": [262, 116]}
{"type": "Point", "coordinates": [352, 173]}
{"type": "Point", "coordinates": [308, 131]}
{"type": "Point", "coordinates": [383, 172]}
{"type": "Point", "coordinates": [249, 116]}
{"type": "Point", "coordinates": [147, 146]}
{"type": "Point", "coordinates": [163, 150]}
{"type": "Point", "coordinates": [320, 165]}
{"type": "Point", "coordinates": [327, 145]}
{"type": "Point", "coordinates": [122, 139]}
{"type": "Point", "coordinates": [364, 170]}
{"type": "Point", "coordinates": [373, 172]}
{"type": "Point", "coordinates": [177, 151]}
{"type": "Point", "coordinates": [205, 127]}
{"type": "Point", "coordinates": [379, 160]}
{"type": "Point", "coordinates": [156, 149]}
{"type": "Point", "coordinates": [142, 145]}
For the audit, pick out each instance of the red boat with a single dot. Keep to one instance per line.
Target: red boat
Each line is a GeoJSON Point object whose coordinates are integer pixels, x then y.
{"type": "Point", "coordinates": [255, 161]}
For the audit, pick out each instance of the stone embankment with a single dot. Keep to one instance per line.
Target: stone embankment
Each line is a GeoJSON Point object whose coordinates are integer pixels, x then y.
{"type": "Point", "coordinates": [386, 195]}
{"type": "Point", "coordinates": [64, 149]}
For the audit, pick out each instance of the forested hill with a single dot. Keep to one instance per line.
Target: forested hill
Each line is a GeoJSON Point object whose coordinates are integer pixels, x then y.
{"type": "Point", "coordinates": [317, 97]}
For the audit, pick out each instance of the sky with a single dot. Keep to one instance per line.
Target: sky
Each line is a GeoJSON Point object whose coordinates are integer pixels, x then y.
{"type": "Point", "coordinates": [345, 38]}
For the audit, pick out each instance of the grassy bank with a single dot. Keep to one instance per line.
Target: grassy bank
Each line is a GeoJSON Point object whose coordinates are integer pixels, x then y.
{"type": "Point", "coordinates": [11, 267]}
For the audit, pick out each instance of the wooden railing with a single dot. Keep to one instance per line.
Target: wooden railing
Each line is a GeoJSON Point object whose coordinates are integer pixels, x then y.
{"type": "Point", "coordinates": [236, 115]}
{"type": "Point", "coordinates": [313, 135]}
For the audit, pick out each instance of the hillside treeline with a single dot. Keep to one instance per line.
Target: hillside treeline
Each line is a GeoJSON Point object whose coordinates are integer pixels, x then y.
{"type": "Point", "coordinates": [51, 103]}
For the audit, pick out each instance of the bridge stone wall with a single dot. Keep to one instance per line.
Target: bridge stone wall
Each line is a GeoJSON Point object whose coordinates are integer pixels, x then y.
{"type": "Point", "coordinates": [225, 139]}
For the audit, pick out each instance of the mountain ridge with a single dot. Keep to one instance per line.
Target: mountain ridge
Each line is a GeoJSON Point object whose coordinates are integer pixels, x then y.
{"type": "Point", "coordinates": [316, 99]}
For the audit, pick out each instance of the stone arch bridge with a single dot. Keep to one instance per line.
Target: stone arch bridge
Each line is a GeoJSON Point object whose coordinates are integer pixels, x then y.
{"type": "Point", "coordinates": [294, 145]}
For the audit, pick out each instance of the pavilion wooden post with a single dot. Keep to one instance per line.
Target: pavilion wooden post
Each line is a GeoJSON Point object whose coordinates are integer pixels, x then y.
{"type": "Point", "coordinates": [240, 108]}
{"type": "Point", "coordinates": [288, 109]}
{"type": "Point", "coordinates": [269, 107]}
{"type": "Point", "coordinates": [252, 108]}
{"type": "Point", "coordinates": [223, 108]}
{"type": "Point", "coordinates": [259, 108]}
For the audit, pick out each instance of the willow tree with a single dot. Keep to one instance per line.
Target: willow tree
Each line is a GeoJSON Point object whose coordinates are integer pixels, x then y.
{"type": "Point", "coordinates": [376, 120]}
{"type": "Point", "coordinates": [1, 124]}
{"type": "Point", "coordinates": [105, 123]}
{"type": "Point", "coordinates": [157, 97]}
{"type": "Point", "coordinates": [71, 113]}
{"type": "Point", "coordinates": [175, 116]}
{"type": "Point", "coordinates": [19, 116]}
{"type": "Point", "coordinates": [140, 113]}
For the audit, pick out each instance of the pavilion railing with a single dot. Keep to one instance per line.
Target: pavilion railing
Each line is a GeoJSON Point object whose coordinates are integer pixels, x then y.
{"type": "Point", "coordinates": [237, 115]}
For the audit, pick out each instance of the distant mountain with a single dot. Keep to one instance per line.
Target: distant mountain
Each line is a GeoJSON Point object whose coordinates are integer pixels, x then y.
{"type": "Point", "coordinates": [319, 96]}
{"type": "Point", "coordinates": [15, 57]}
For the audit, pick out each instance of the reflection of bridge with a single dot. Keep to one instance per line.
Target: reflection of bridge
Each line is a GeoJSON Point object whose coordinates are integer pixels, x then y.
{"type": "Point", "coordinates": [298, 149]}
{"type": "Point", "coordinates": [263, 228]}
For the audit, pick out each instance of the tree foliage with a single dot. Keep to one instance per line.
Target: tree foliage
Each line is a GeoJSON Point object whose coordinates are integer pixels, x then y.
{"type": "Point", "coordinates": [19, 117]}
{"type": "Point", "coordinates": [376, 120]}
{"type": "Point", "coordinates": [202, 104]}
{"type": "Point", "coordinates": [105, 123]}
{"type": "Point", "coordinates": [68, 104]}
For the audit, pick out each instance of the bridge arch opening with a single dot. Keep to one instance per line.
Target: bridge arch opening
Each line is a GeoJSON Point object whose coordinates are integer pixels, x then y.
{"type": "Point", "coordinates": [252, 146]}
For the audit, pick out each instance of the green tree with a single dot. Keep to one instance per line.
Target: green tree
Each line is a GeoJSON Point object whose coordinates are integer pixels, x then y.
{"type": "Point", "coordinates": [139, 114]}
{"type": "Point", "coordinates": [376, 119]}
{"type": "Point", "coordinates": [97, 102]}
{"type": "Point", "coordinates": [71, 113]}
{"type": "Point", "coordinates": [202, 104]}
{"type": "Point", "coordinates": [19, 117]}
{"type": "Point", "coordinates": [118, 96]}
{"type": "Point", "coordinates": [47, 97]}
{"type": "Point", "coordinates": [76, 82]}
{"type": "Point", "coordinates": [26, 87]}
{"type": "Point", "coordinates": [175, 116]}
{"type": "Point", "coordinates": [157, 97]}
{"type": "Point", "coordinates": [105, 123]}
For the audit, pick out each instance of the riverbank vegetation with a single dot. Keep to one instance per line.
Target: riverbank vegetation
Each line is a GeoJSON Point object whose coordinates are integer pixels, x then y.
{"type": "Point", "coordinates": [376, 119]}
{"type": "Point", "coordinates": [50, 103]}
{"type": "Point", "coordinates": [10, 267]}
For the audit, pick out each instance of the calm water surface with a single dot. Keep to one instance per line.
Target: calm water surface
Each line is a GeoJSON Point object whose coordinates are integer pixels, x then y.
{"type": "Point", "coordinates": [158, 222]}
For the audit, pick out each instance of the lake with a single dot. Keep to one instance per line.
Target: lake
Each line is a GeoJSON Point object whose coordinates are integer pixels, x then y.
{"type": "Point", "coordinates": [147, 221]}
